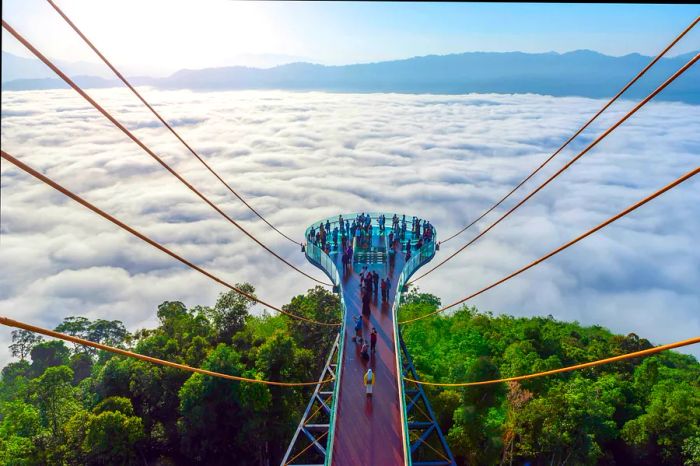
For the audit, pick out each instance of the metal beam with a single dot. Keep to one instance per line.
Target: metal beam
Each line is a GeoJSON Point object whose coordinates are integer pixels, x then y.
{"type": "Point", "coordinates": [428, 426]}
{"type": "Point", "coordinates": [321, 396]}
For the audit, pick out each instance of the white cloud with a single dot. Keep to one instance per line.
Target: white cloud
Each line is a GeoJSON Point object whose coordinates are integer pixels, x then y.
{"type": "Point", "coordinates": [299, 157]}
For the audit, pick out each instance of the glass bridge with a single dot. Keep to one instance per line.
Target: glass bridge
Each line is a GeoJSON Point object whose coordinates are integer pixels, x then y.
{"type": "Point", "coordinates": [341, 425]}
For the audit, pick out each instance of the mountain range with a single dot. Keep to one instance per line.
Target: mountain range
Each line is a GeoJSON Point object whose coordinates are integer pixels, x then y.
{"type": "Point", "coordinates": [579, 73]}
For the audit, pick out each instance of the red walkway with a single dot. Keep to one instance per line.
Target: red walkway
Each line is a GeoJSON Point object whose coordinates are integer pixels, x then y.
{"type": "Point", "coordinates": [368, 431]}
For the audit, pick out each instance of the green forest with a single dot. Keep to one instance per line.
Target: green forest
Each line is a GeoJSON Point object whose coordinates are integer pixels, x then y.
{"type": "Point", "coordinates": [64, 404]}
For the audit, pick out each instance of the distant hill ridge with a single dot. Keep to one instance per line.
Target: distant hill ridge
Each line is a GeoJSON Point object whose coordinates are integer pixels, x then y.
{"type": "Point", "coordinates": [579, 73]}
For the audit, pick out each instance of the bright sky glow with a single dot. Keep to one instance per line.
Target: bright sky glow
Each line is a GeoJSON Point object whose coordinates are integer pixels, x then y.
{"type": "Point", "coordinates": [161, 36]}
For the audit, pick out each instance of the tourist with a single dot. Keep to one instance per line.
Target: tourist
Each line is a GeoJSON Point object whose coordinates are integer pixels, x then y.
{"type": "Point", "coordinates": [384, 295]}
{"type": "Point", "coordinates": [358, 330]}
{"type": "Point", "coordinates": [373, 340]}
{"type": "Point", "coordinates": [364, 351]}
{"type": "Point", "coordinates": [366, 310]}
{"type": "Point", "coordinates": [369, 382]}
{"type": "Point", "coordinates": [375, 282]}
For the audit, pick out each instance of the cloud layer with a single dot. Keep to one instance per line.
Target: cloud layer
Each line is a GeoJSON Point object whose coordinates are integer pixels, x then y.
{"type": "Point", "coordinates": [299, 157]}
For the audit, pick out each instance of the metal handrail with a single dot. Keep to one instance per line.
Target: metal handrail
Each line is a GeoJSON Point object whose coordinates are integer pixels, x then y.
{"type": "Point", "coordinates": [325, 263]}
{"type": "Point", "coordinates": [425, 254]}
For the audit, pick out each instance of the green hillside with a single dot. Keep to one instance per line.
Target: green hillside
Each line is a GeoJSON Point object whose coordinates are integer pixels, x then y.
{"type": "Point", "coordinates": [67, 405]}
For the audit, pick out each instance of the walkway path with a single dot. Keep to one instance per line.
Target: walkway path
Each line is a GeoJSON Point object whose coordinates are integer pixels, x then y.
{"type": "Point", "coordinates": [368, 431]}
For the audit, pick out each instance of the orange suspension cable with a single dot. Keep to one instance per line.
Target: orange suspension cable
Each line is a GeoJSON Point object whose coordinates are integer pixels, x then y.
{"type": "Point", "coordinates": [145, 238]}
{"type": "Point", "coordinates": [162, 362]}
{"type": "Point", "coordinates": [631, 208]}
{"type": "Point", "coordinates": [636, 354]}
{"type": "Point", "coordinates": [162, 120]}
{"type": "Point", "coordinates": [675, 75]}
{"type": "Point", "coordinates": [107, 115]}
{"type": "Point", "coordinates": [306, 448]}
{"type": "Point", "coordinates": [580, 130]}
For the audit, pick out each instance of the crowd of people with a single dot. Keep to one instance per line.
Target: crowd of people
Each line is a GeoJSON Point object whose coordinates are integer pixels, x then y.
{"type": "Point", "coordinates": [346, 234]}
{"type": "Point", "coordinates": [339, 236]}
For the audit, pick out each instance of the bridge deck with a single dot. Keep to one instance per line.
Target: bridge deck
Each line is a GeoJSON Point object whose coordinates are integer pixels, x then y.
{"type": "Point", "coordinates": [369, 431]}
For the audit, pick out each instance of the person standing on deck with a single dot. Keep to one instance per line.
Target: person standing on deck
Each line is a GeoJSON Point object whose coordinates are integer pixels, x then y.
{"type": "Point", "coordinates": [373, 340]}
{"type": "Point", "coordinates": [369, 382]}
{"type": "Point", "coordinates": [366, 311]}
{"type": "Point", "coordinates": [363, 271]}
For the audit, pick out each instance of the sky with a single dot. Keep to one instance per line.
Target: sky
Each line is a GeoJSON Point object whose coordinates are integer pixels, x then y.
{"type": "Point", "coordinates": [300, 157]}
{"type": "Point", "coordinates": [158, 37]}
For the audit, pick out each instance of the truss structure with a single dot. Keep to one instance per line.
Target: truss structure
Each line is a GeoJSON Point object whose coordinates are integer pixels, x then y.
{"type": "Point", "coordinates": [310, 442]}
{"type": "Point", "coordinates": [428, 446]}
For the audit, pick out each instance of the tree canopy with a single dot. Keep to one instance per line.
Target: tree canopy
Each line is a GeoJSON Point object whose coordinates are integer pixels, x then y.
{"type": "Point", "coordinates": [62, 405]}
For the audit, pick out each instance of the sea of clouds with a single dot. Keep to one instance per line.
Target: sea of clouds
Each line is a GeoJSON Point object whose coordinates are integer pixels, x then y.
{"type": "Point", "coordinates": [300, 157]}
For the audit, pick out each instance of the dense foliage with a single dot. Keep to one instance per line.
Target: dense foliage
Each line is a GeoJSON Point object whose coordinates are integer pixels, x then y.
{"type": "Point", "coordinates": [76, 406]}
{"type": "Point", "coordinates": [70, 405]}
{"type": "Point", "coordinates": [643, 411]}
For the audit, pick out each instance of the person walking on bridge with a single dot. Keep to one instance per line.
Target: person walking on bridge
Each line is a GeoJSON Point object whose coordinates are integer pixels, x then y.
{"type": "Point", "coordinates": [358, 330]}
{"type": "Point", "coordinates": [366, 297]}
{"type": "Point", "coordinates": [369, 382]}
{"type": "Point", "coordinates": [373, 340]}
{"type": "Point", "coordinates": [364, 352]}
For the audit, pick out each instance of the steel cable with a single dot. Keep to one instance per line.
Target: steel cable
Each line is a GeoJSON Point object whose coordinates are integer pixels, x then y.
{"type": "Point", "coordinates": [672, 78]}
{"type": "Point", "coordinates": [116, 123]}
{"type": "Point", "coordinates": [580, 130]}
{"type": "Point", "coordinates": [615, 217]}
{"type": "Point", "coordinates": [162, 120]}
{"type": "Point", "coordinates": [636, 354]}
{"type": "Point", "coordinates": [51, 333]}
{"type": "Point", "coordinates": [24, 167]}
